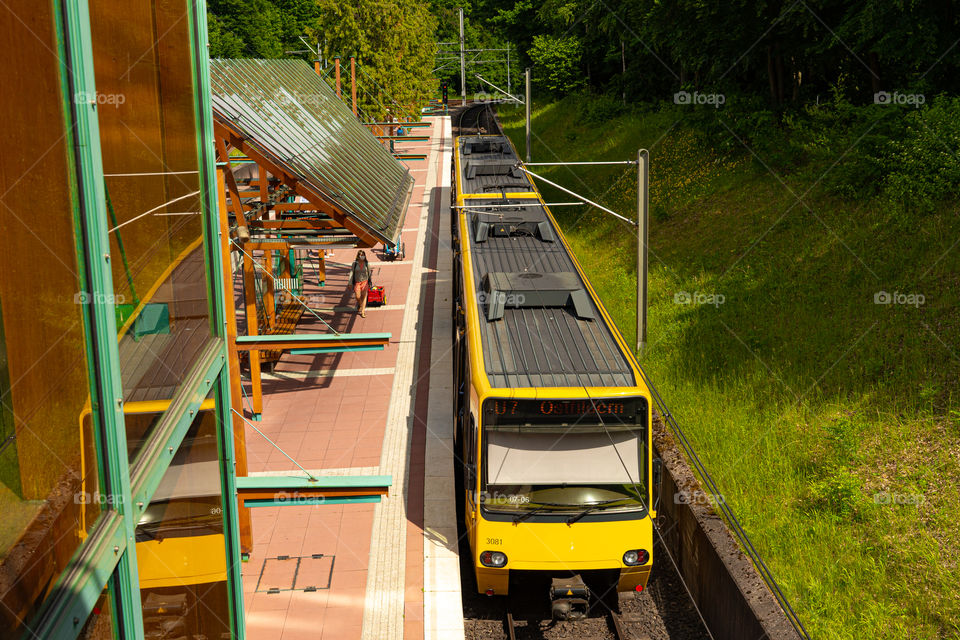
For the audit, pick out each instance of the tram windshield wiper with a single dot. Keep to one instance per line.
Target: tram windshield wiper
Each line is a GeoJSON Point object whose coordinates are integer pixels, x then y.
{"type": "Point", "coordinates": [593, 507]}
{"type": "Point", "coordinates": [540, 507]}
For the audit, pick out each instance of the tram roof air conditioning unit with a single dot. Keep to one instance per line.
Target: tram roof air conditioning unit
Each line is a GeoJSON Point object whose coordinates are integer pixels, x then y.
{"type": "Point", "coordinates": [529, 289]}
{"type": "Point", "coordinates": [514, 223]}
{"type": "Point", "coordinates": [492, 168]}
{"type": "Point", "coordinates": [484, 145]}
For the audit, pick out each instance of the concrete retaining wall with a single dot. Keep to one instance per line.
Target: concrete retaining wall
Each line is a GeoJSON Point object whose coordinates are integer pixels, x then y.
{"type": "Point", "coordinates": [734, 600]}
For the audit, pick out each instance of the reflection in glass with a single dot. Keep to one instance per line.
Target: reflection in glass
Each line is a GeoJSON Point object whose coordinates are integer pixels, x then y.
{"type": "Point", "coordinates": [99, 626]}
{"type": "Point", "coordinates": [181, 554]}
{"type": "Point", "coordinates": [49, 496]}
{"type": "Point", "coordinates": [148, 142]}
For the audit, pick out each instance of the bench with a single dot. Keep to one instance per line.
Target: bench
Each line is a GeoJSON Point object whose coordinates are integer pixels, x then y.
{"type": "Point", "coordinates": [286, 322]}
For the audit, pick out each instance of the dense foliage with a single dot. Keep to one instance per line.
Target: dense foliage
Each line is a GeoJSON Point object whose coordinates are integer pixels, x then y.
{"type": "Point", "coordinates": [790, 52]}
{"type": "Point", "coordinates": [857, 91]}
{"type": "Point", "coordinates": [393, 41]}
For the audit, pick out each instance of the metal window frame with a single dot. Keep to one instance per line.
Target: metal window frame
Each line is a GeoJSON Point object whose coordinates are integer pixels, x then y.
{"type": "Point", "coordinates": [108, 555]}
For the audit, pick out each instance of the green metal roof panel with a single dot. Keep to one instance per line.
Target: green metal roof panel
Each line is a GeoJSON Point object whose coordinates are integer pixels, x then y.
{"type": "Point", "coordinates": [286, 111]}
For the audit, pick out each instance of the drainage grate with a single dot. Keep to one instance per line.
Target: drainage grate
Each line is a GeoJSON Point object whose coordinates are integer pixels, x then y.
{"type": "Point", "coordinates": [296, 573]}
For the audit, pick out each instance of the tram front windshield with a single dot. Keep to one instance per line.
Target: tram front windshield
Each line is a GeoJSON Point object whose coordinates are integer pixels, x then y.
{"type": "Point", "coordinates": [564, 455]}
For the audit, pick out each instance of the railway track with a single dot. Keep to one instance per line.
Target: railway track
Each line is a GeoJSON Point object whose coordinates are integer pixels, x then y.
{"type": "Point", "coordinates": [476, 118]}
{"type": "Point", "coordinates": [613, 620]}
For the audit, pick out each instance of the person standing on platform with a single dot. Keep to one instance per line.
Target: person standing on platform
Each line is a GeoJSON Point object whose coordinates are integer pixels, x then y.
{"type": "Point", "coordinates": [360, 281]}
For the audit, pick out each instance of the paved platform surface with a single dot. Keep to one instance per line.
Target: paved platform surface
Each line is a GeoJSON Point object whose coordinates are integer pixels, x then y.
{"type": "Point", "coordinates": [378, 571]}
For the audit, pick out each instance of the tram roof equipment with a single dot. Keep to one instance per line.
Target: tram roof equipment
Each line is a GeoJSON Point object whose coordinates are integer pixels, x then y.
{"type": "Point", "coordinates": [539, 325]}
{"type": "Point", "coordinates": [488, 165]}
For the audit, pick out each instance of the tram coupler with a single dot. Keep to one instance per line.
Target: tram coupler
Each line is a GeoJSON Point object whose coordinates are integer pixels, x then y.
{"type": "Point", "coordinates": [569, 598]}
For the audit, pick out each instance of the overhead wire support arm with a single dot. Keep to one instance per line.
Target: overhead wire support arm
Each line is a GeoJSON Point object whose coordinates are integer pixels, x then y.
{"type": "Point", "coordinates": [485, 81]}
{"type": "Point", "coordinates": [483, 207]}
{"type": "Point", "coordinates": [632, 223]}
{"type": "Point", "coordinates": [564, 164]}
{"type": "Point", "coordinates": [641, 224]}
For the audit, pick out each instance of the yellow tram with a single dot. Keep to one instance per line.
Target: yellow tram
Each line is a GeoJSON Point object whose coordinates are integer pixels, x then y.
{"type": "Point", "coordinates": [553, 416]}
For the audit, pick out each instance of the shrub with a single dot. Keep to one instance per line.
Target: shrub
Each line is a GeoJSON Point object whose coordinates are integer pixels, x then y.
{"type": "Point", "coordinates": [596, 110]}
{"type": "Point", "coordinates": [839, 493]}
{"type": "Point", "coordinates": [924, 167]}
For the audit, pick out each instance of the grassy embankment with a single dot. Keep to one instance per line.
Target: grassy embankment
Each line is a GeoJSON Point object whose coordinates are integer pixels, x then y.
{"type": "Point", "coordinates": [830, 422]}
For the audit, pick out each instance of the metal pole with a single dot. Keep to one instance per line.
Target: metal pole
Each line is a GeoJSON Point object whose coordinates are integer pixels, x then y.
{"type": "Point", "coordinates": [527, 77]}
{"type": "Point", "coordinates": [463, 64]}
{"type": "Point", "coordinates": [643, 225]}
{"type": "Point", "coordinates": [509, 89]}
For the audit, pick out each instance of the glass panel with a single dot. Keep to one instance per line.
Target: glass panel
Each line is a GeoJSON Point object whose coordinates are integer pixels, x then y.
{"type": "Point", "coordinates": [148, 141]}
{"type": "Point", "coordinates": [551, 458]}
{"type": "Point", "coordinates": [181, 553]}
{"type": "Point", "coordinates": [48, 470]}
{"type": "Point", "coordinates": [99, 626]}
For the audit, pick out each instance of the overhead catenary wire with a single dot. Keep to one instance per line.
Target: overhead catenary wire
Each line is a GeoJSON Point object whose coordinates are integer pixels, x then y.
{"type": "Point", "coordinates": [564, 164]}
{"type": "Point", "coordinates": [510, 97]}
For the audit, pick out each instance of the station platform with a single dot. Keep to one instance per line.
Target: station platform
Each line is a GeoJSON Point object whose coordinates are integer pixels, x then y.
{"type": "Point", "coordinates": [386, 570]}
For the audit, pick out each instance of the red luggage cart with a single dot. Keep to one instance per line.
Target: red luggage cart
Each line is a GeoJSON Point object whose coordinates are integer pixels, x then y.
{"type": "Point", "coordinates": [376, 296]}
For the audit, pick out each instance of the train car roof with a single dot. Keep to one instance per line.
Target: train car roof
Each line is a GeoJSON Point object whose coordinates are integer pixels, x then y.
{"type": "Point", "coordinates": [539, 324]}
{"type": "Point", "coordinates": [488, 166]}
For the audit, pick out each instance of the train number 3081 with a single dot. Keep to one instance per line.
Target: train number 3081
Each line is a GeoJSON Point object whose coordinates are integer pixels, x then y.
{"type": "Point", "coordinates": [494, 540]}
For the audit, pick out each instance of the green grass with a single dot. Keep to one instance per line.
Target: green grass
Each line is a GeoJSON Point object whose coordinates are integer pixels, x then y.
{"type": "Point", "coordinates": [830, 423]}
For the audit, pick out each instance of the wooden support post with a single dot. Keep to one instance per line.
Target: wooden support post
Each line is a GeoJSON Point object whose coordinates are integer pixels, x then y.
{"type": "Point", "coordinates": [322, 267]}
{"type": "Point", "coordinates": [353, 83]}
{"type": "Point", "coordinates": [231, 183]}
{"type": "Point", "coordinates": [264, 183]}
{"type": "Point", "coordinates": [336, 71]}
{"type": "Point", "coordinates": [250, 308]}
{"type": "Point", "coordinates": [236, 391]}
{"type": "Point", "coordinates": [269, 305]}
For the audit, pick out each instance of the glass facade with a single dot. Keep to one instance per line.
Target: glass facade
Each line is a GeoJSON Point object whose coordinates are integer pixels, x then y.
{"type": "Point", "coordinates": [116, 443]}
{"type": "Point", "coordinates": [181, 553]}
{"type": "Point", "coordinates": [152, 188]}
{"type": "Point", "coordinates": [49, 492]}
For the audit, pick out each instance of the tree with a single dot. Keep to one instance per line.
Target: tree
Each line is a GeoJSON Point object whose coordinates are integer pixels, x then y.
{"type": "Point", "coordinates": [245, 28]}
{"type": "Point", "coordinates": [558, 63]}
{"type": "Point", "coordinates": [393, 41]}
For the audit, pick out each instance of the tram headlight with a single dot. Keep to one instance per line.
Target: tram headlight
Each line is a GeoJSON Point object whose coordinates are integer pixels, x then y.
{"type": "Point", "coordinates": [636, 557]}
{"type": "Point", "coordinates": [493, 559]}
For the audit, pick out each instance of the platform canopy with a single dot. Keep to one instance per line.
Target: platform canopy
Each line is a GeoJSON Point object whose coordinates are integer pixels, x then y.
{"type": "Point", "coordinates": [282, 112]}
